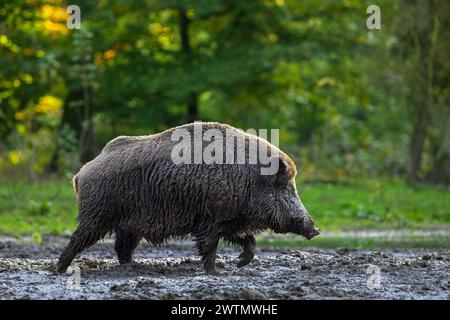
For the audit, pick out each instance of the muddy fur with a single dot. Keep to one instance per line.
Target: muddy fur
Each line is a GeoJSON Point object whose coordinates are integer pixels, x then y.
{"type": "Point", "coordinates": [134, 190]}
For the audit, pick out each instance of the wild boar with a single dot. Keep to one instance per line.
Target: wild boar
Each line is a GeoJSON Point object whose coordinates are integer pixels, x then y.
{"type": "Point", "coordinates": [135, 188]}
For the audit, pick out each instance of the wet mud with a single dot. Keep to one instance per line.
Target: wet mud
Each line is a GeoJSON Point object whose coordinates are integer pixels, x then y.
{"type": "Point", "coordinates": [174, 271]}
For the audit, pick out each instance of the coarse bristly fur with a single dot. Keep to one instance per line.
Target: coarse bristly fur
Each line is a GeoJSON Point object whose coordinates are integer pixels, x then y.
{"type": "Point", "coordinates": [134, 190]}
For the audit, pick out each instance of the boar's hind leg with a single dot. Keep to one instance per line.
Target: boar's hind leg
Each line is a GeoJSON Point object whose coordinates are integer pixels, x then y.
{"type": "Point", "coordinates": [207, 248]}
{"type": "Point", "coordinates": [125, 244]}
{"type": "Point", "coordinates": [81, 239]}
{"type": "Point", "coordinates": [248, 244]}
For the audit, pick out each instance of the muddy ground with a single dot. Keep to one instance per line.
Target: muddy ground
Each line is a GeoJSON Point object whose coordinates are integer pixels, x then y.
{"type": "Point", "coordinates": [175, 272]}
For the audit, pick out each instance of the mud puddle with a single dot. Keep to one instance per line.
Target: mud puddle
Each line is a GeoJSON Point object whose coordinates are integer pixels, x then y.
{"type": "Point", "coordinates": [175, 272]}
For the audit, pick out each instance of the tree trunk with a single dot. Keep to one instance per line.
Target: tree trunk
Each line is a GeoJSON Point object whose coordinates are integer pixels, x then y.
{"type": "Point", "coordinates": [426, 41]}
{"type": "Point", "coordinates": [417, 143]}
{"type": "Point", "coordinates": [440, 173]}
{"type": "Point", "coordinates": [71, 117]}
{"type": "Point", "coordinates": [77, 115]}
{"type": "Point", "coordinates": [192, 103]}
{"type": "Point", "coordinates": [86, 141]}
{"type": "Point", "coordinates": [193, 107]}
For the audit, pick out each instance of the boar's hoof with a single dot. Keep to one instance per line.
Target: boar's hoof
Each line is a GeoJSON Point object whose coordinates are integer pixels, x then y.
{"type": "Point", "coordinates": [211, 271]}
{"type": "Point", "coordinates": [60, 269]}
{"type": "Point", "coordinates": [244, 259]}
{"type": "Point", "coordinates": [126, 261]}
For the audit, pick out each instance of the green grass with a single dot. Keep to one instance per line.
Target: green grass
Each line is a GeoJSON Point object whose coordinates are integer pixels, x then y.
{"type": "Point", "coordinates": [49, 207]}
{"type": "Point", "coordinates": [46, 207]}
{"type": "Point", "coordinates": [425, 241]}
{"type": "Point", "coordinates": [376, 204]}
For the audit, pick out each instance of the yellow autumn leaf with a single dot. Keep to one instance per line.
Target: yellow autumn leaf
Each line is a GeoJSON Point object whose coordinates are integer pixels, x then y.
{"type": "Point", "coordinates": [110, 54]}
{"type": "Point", "coordinates": [4, 40]}
{"type": "Point", "coordinates": [14, 157]}
{"type": "Point", "coordinates": [53, 13]}
{"type": "Point", "coordinates": [54, 19]}
{"type": "Point", "coordinates": [16, 83]}
{"type": "Point", "coordinates": [273, 37]}
{"type": "Point", "coordinates": [50, 105]}
{"type": "Point", "coordinates": [165, 41]}
{"type": "Point", "coordinates": [21, 129]}
{"type": "Point", "coordinates": [190, 13]}
{"type": "Point", "coordinates": [157, 28]}
{"type": "Point", "coordinates": [20, 115]}
{"type": "Point", "coordinates": [326, 81]}
{"type": "Point", "coordinates": [54, 28]}
{"type": "Point", "coordinates": [27, 78]}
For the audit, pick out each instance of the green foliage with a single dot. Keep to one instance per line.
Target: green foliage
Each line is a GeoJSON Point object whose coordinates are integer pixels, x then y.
{"type": "Point", "coordinates": [344, 98]}
{"type": "Point", "coordinates": [37, 238]}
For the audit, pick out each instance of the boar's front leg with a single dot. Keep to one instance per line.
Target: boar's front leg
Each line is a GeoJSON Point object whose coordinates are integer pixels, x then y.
{"type": "Point", "coordinates": [207, 247]}
{"type": "Point", "coordinates": [248, 244]}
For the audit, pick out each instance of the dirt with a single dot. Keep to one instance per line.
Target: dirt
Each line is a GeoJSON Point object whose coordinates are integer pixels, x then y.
{"type": "Point", "coordinates": [175, 272]}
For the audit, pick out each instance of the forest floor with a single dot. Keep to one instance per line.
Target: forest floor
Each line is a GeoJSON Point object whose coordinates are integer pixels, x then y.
{"type": "Point", "coordinates": [174, 271]}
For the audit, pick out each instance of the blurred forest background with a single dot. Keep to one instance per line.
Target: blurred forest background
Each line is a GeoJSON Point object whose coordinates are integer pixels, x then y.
{"type": "Point", "coordinates": [364, 113]}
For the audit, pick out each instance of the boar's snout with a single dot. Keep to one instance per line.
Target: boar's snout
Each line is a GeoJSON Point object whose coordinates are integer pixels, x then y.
{"type": "Point", "coordinates": [303, 224]}
{"type": "Point", "coordinates": [312, 233]}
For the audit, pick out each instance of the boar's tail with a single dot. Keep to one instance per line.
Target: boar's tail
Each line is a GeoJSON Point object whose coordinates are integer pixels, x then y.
{"type": "Point", "coordinates": [75, 185]}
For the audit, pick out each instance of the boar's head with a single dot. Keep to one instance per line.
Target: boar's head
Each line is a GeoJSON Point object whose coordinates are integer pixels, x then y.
{"type": "Point", "coordinates": [276, 204]}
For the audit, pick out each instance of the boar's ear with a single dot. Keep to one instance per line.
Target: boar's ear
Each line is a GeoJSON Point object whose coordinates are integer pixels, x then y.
{"type": "Point", "coordinates": [282, 168]}
{"type": "Point", "coordinates": [282, 174]}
